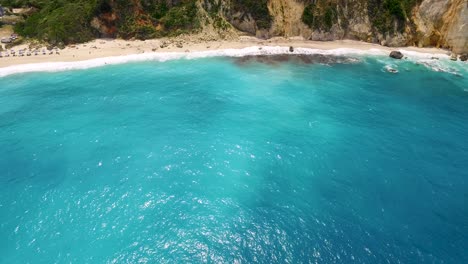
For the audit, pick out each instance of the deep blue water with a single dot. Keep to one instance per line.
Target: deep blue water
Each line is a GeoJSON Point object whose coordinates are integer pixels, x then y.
{"type": "Point", "coordinates": [225, 161]}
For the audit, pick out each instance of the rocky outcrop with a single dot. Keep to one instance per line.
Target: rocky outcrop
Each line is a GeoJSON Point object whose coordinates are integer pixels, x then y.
{"type": "Point", "coordinates": [455, 29]}
{"type": "Point", "coordinates": [287, 19]}
{"type": "Point", "coordinates": [424, 23]}
{"type": "Point", "coordinates": [396, 55]}
{"type": "Point", "coordinates": [432, 23]}
{"type": "Point", "coordinates": [442, 23]}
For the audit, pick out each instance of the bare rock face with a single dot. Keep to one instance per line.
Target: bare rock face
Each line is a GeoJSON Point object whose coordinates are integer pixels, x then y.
{"type": "Point", "coordinates": [287, 18]}
{"type": "Point", "coordinates": [359, 25]}
{"type": "Point", "coordinates": [105, 25]}
{"type": "Point", "coordinates": [442, 23]}
{"type": "Point", "coordinates": [432, 23]}
{"type": "Point", "coordinates": [429, 19]}
{"type": "Point", "coordinates": [396, 55]}
{"type": "Point", "coordinates": [456, 30]}
{"type": "Point", "coordinates": [244, 22]}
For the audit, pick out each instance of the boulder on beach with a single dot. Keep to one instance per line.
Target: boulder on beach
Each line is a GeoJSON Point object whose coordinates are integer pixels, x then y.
{"type": "Point", "coordinates": [396, 55]}
{"type": "Point", "coordinates": [291, 49]}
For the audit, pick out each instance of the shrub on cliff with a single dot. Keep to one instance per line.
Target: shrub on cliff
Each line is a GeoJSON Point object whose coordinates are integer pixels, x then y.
{"type": "Point", "coordinates": [69, 21]}
{"type": "Point", "coordinates": [384, 14]}
{"type": "Point", "coordinates": [181, 17]}
{"type": "Point", "coordinates": [320, 16]}
{"type": "Point", "coordinates": [60, 22]}
{"type": "Point", "coordinates": [258, 9]}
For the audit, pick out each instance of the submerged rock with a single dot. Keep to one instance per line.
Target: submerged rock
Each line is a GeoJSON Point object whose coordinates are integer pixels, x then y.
{"type": "Point", "coordinates": [295, 58]}
{"type": "Point", "coordinates": [396, 55]}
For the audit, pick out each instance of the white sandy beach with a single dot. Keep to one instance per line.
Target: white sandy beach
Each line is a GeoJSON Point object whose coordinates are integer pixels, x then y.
{"type": "Point", "coordinates": [102, 48]}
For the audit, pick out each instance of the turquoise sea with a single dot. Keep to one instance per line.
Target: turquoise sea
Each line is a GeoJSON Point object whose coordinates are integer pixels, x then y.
{"type": "Point", "coordinates": [308, 159]}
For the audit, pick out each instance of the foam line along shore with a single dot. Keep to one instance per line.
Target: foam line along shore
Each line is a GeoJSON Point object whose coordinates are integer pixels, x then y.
{"type": "Point", "coordinates": [104, 52]}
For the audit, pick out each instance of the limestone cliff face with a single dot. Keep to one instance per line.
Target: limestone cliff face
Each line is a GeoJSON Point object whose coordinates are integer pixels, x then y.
{"type": "Point", "coordinates": [423, 23]}
{"type": "Point", "coordinates": [431, 23]}
{"type": "Point", "coordinates": [443, 24]}
{"type": "Point", "coordinates": [454, 27]}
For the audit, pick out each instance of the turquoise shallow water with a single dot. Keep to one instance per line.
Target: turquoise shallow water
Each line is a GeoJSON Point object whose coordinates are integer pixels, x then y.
{"type": "Point", "coordinates": [223, 160]}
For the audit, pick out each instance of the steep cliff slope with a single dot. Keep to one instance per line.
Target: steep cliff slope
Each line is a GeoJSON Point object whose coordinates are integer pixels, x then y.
{"type": "Point", "coordinates": [438, 23]}
{"type": "Point", "coordinates": [443, 24]}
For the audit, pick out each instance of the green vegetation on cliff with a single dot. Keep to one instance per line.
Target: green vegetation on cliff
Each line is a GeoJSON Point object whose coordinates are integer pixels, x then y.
{"type": "Point", "coordinates": [258, 9]}
{"type": "Point", "coordinates": [383, 14]}
{"type": "Point", "coordinates": [320, 16]}
{"type": "Point", "coordinates": [60, 21]}
{"type": "Point", "coordinates": [74, 21]}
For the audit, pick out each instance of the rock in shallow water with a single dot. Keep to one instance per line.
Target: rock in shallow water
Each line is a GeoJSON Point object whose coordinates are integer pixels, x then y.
{"type": "Point", "coordinates": [396, 55]}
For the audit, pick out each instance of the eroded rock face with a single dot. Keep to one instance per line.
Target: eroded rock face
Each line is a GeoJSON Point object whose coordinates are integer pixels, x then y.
{"type": "Point", "coordinates": [429, 20]}
{"type": "Point", "coordinates": [244, 22]}
{"type": "Point", "coordinates": [432, 23]}
{"type": "Point", "coordinates": [104, 24]}
{"type": "Point", "coordinates": [287, 18]}
{"type": "Point", "coordinates": [437, 23]}
{"type": "Point", "coordinates": [456, 29]}
{"type": "Point", "coordinates": [442, 23]}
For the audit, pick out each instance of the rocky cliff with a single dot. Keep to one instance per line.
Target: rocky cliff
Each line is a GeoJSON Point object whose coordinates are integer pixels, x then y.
{"type": "Point", "coordinates": [437, 23]}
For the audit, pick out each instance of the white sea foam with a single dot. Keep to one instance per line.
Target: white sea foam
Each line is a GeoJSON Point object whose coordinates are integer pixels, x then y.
{"type": "Point", "coordinates": [165, 56]}
{"type": "Point", "coordinates": [392, 68]}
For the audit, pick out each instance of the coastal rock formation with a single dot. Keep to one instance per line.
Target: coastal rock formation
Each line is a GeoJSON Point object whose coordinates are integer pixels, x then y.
{"type": "Point", "coordinates": [442, 24]}
{"type": "Point", "coordinates": [422, 23]}
{"type": "Point", "coordinates": [426, 23]}
{"type": "Point", "coordinates": [396, 55]}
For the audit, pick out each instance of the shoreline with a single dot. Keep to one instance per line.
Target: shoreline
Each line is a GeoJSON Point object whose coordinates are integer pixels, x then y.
{"type": "Point", "coordinates": [101, 52]}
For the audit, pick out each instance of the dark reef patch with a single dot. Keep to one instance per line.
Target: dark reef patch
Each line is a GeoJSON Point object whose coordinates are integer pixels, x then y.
{"type": "Point", "coordinates": [301, 59]}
